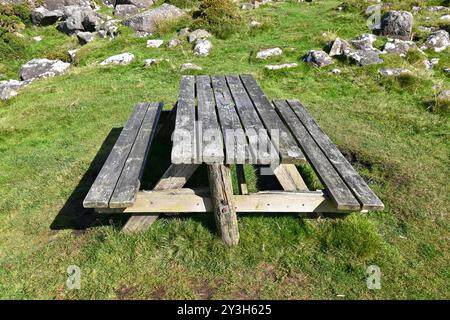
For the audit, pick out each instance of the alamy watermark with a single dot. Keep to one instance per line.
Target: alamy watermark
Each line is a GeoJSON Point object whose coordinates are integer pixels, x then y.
{"type": "Point", "coordinates": [374, 277]}
{"type": "Point", "coordinates": [73, 281]}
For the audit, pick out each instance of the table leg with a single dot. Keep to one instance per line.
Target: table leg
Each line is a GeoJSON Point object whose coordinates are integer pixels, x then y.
{"type": "Point", "coordinates": [289, 178]}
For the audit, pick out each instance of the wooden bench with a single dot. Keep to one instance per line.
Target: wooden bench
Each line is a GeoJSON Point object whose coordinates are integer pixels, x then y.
{"type": "Point", "coordinates": [118, 182]}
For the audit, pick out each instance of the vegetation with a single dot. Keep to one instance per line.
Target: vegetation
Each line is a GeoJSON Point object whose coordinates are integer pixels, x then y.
{"type": "Point", "coordinates": [55, 135]}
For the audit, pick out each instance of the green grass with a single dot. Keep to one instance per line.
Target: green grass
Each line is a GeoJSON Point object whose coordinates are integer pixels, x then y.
{"type": "Point", "coordinates": [56, 133]}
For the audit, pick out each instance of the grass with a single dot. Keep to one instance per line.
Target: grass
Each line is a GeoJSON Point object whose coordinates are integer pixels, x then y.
{"type": "Point", "coordinates": [55, 135]}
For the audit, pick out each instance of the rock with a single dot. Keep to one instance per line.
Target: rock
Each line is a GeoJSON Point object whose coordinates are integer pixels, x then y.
{"type": "Point", "coordinates": [43, 17]}
{"type": "Point", "coordinates": [174, 43]}
{"type": "Point", "coordinates": [365, 57]}
{"type": "Point", "coordinates": [203, 47]}
{"type": "Point", "coordinates": [281, 66]}
{"type": "Point", "coordinates": [339, 47]}
{"type": "Point", "coordinates": [364, 42]}
{"type": "Point", "coordinates": [254, 24]}
{"type": "Point", "coordinates": [437, 8]}
{"type": "Point", "coordinates": [336, 71]}
{"type": "Point", "coordinates": [123, 10]}
{"type": "Point", "coordinates": [190, 66]}
{"type": "Point", "coordinates": [109, 29]}
{"type": "Point", "coordinates": [444, 95]}
{"type": "Point", "coordinates": [154, 43]}
{"type": "Point", "coordinates": [318, 58]}
{"type": "Point", "coordinates": [92, 22]}
{"type": "Point", "coordinates": [199, 34]}
{"type": "Point", "coordinates": [72, 55]}
{"type": "Point", "coordinates": [429, 64]}
{"type": "Point", "coordinates": [8, 89]}
{"type": "Point", "coordinates": [61, 4]}
{"type": "Point", "coordinates": [119, 59]}
{"type": "Point", "coordinates": [393, 72]}
{"type": "Point", "coordinates": [397, 24]}
{"type": "Point", "coordinates": [184, 33]}
{"type": "Point", "coordinates": [37, 38]}
{"type": "Point", "coordinates": [42, 68]}
{"type": "Point", "coordinates": [398, 46]}
{"type": "Point", "coordinates": [446, 70]}
{"type": "Point", "coordinates": [248, 6]}
{"type": "Point", "coordinates": [446, 17]}
{"type": "Point", "coordinates": [438, 41]}
{"type": "Point", "coordinates": [73, 19]}
{"type": "Point", "coordinates": [425, 29]}
{"type": "Point", "coordinates": [153, 62]}
{"type": "Point", "coordinates": [85, 37]}
{"type": "Point", "coordinates": [137, 3]}
{"type": "Point", "coordinates": [146, 21]}
{"type": "Point", "coordinates": [267, 53]}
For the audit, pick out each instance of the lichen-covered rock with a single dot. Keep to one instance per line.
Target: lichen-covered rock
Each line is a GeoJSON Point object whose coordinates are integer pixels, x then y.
{"type": "Point", "coordinates": [119, 59]}
{"type": "Point", "coordinates": [318, 58]}
{"type": "Point", "coordinates": [9, 88]}
{"type": "Point", "coordinates": [190, 66]}
{"type": "Point", "coordinates": [203, 47]}
{"type": "Point", "coordinates": [138, 3]}
{"type": "Point", "coordinates": [146, 22]}
{"type": "Point", "coordinates": [393, 72]}
{"type": "Point", "coordinates": [44, 17]}
{"type": "Point", "coordinates": [438, 41]}
{"type": "Point", "coordinates": [42, 68]}
{"type": "Point", "coordinates": [339, 47]}
{"type": "Point", "coordinates": [364, 42]}
{"type": "Point", "coordinates": [281, 66]}
{"type": "Point", "coordinates": [123, 10]}
{"type": "Point", "coordinates": [398, 46]}
{"type": "Point", "coordinates": [61, 4]}
{"type": "Point", "coordinates": [154, 43]}
{"type": "Point", "coordinates": [198, 34]}
{"type": "Point", "coordinates": [365, 57]}
{"type": "Point", "coordinates": [174, 43]}
{"type": "Point", "coordinates": [397, 24]}
{"type": "Point", "coordinates": [267, 53]}
{"type": "Point", "coordinates": [153, 62]}
{"type": "Point", "coordinates": [85, 37]}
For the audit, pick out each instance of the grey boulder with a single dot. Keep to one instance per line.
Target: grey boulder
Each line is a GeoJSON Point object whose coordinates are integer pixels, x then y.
{"type": "Point", "coordinates": [398, 46]}
{"type": "Point", "coordinates": [44, 17]}
{"type": "Point", "coordinates": [397, 24]}
{"type": "Point", "coordinates": [61, 4]}
{"type": "Point", "coordinates": [138, 3]}
{"type": "Point", "coordinates": [8, 89]}
{"type": "Point", "coordinates": [198, 34]}
{"type": "Point", "coordinates": [85, 37]}
{"type": "Point", "coordinates": [318, 58]}
{"type": "Point", "coordinates": [365, 57]}
{"type": "Point", "coordinates": [123, 10]}
{"type": "Point", "coordinates": [393, 72]}
{"type": "Point", "coordinates": [438, 41]}
{"type": "Point", "coordinates": [42, 68]}
{"type": "Point", "coordinates": [339, 47]}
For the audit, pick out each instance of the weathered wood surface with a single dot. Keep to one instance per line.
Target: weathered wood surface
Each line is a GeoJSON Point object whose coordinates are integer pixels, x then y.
{"type": "Point", "coordinates": [277, 130]}
{"type": "Point", "coordinates": [289, 178]}
{"type": "Point", "coordinates": [106, 181]}
{"type": "Point", "coordinates": [235, 140]}
{"type": "Point", "coordinates": [184, 150]}
{"type": "Point", "coordinates": [337, 188]}
{"type": "Point", "coordinates": [261, 148]}
{"type": "Point", "coordinates": [175, 177]}
{"type": "Point", "coordinates": [149, 204]}
{"type": "Point", "coordinates": [219, 177]}
{"type": "Point", "coordinates": [211, 142]}
{"type": "Point", "coordinates": [355, 182]}
{"type": "Point", "coordinates": [130, 179]}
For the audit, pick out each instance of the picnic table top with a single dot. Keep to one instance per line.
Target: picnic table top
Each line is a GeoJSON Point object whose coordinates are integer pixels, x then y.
{"type": "Point", "coordinates": [228, 119]}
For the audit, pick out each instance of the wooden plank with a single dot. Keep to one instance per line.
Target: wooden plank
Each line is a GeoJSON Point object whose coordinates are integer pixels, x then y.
{"type": "Point", "coordinates": [193, 201]}
{"type": "Point", "coordinates": [175, 177]}
{"type": "Point", "coordinates": [243, 188]}
{"type": "Point", "coordinates": [354, 181]}
{"type": "Point", "coordinates": [184, 150]}
{"type": "Point", "coordinates": [280, 135]}
{"type": "Point", "coordinates": [219, 177]}
{"type": "Point", "coordinates": [337, 188]}
{"type": "Point", "coordinates": [289, 178]}
{"type": "Point", "coordinates": [105, 183]}
{"type": "Point", "coordinates": [235, 141]}
{"type": "Point", "coordinates": [130, 179]}
{"type": "Point", "coordinates": [211, 142]}
{"type": "Point", "coordinates": [261, 148]}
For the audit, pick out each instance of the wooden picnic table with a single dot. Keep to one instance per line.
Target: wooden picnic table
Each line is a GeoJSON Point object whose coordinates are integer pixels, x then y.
{"type": "Point", "coordinates": [222, 121]}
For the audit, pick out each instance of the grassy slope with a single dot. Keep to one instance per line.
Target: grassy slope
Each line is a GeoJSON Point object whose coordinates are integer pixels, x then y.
{"type": "Point", "coordinates": [51, 133]}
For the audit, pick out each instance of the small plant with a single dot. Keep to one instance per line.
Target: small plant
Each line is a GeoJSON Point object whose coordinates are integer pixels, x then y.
{"type": "Point", "coordinates": [183, 3]}
{"type": "Point", "coordinates": [58, 55]}
{"type": "Point", "coordinates": [221, 17]}
{"type": "Point", "coordinates": [21, 11]}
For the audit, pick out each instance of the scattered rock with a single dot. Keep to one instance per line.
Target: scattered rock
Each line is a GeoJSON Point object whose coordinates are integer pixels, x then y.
{"type": "Point", "coordinates": [43, 17]}
{"type": "Point", "coordinates": [281, 66]}
{"type": "Point", "coordinates": [203, 47]}
{"type": "Point", "coordinates": [444, 95]}
{"type": "Point", "coordinates": [73, 20]}
{"type": "Point", "coordinates": [9, 88]}
{"type": "Point", "coordinates": [154, 43]}
{"type": "Point", "coordinates": [398, 46]}
{"type": "Point", "coordinates": [61, 4]}
{"type": "Point", "coordinates": [37, 38]}
{"type": "Point", "coordinates": [174, 43]}
{"type": "Point", "coordinates": [267, 53]}
{"type": "Point", "coordinates": [124, 10]}
{"type": "Point", "coordinates": [365, 57]}
{"type": "Point", "coordinates": [438, 41]}
{"type": "Point", "coordinates": [339, 47]}
{"type": "Point", "coordinates": [446, 17]}
{"type": "Point", "coordinates": [146, 21]}
{"type": "Point", "coordinates": [109, 29]}
{"type": "Point", "coordinates": [184, 33]}
{"type": "Point", "coordinates": [446, 70]}
{"type": "Point", "coordinates": [119, 59]}
{"type": "Point", "coordinates": [72, 55]}
{"type": "Point", "coordinates": [248, 6]}
{"type": "Point", "coordinates": [198, 34]}
{"type": "Point", "coordinates": [318, 58]}
{"type": "Point", "coordinates": [364, 42]}
{"type": "Point", "coordinates": [397, 24]}
{"type": "Point", "coordinates": [336, 71]}
{"type": "Point", "coordinates": [85, 37]}
{"type": "Point", "coordinates": [152, 62]}
{"type": "Point", "coordinates": [437, 8]}
{"type": "Point", "coordinates": [393, 72]}
{"type": "Point", "coordinates": [42, 68]}
{"type": "Point", "coordinates": [190, 66]}
{"type": "Point", "coordinates": [255, 24]}
{"type": "Point", "coordinates": [137, 3]}
{"type": "Point", "coordinates": [425, 29]}
{"type": "Point", "coordinates": [429, 64]}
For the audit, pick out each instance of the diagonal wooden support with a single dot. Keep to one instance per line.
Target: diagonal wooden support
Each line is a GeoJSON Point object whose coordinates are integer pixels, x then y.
{"type": "Point", "coordinates": [219, 177]}
{"type": "Point", "coordinates": [175, 177]}
{"type": "Point", "coordinates": [289, 178]}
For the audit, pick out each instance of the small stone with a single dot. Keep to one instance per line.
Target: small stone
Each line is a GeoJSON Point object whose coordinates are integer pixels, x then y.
{"type": "Point", "coordinates": [446, 70]}
{"type": "Point", "coordinates": [393, 72]}
{"type": "Point", "coordinates": [255, 24]}
{"type": "Point", "coordinates": [429, 64]}
{"type": "Point", "coordinates": [336, 71]}
{"type": "Point", "coordinates": [247, 6]}
{"type": "Point", "coordinates": [365, 57]}
{"type": "Point", "coordinates": [438, 41]}
{"type": "Point", "coordinates": [446, 17]}
{"type": "Point", "coordinates": [154, 43]}
{"type": "Point", "coordinates": [119, 59]}
{"type": "Point", "coordinates": [9, 88]}
{"type": "Point", "coordinates": [400, 47]}
{"type": "Point", "coordinates": [37, 38]}
{"type": "Point", "coordinates": [190, 66]}
{"type": "Point", "coordinates": [174, 43]}
{"type": "Point", "coordinates": [198, 34]}
{"type": "Point", "coordinates": [267, 53]}
{"type": "Point", "coordinates": [318, 58]}
{"type": "Point", "coordinates": [85, 37]}
{"type": "Point", "coordinates": [153, 62]}
{"type": "Point", "coordinates": [124, 10]}
{"type": "Point", "coordinates": [203, 47]}
{"type": "Point", "coordinates": [281, 66]}
{"type": "Point", "coordinates": [364, 41]}
{"type": "Point", "coordinates": [184, 33]}
{"type": "Point", "coordinates": [339, 47]}
{"type": "Point", "coordinates": [72, 54]}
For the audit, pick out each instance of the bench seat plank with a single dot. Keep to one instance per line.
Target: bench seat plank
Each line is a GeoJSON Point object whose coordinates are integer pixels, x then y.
{"type": "Point", "coordinates": [130, 180]}
{"type": "Point", "coordinates": [287, 146]}
{"type": "Point", "coordinates": [356, 183]}
{"type": "Point", "coordinates": [105, 183]}
{"type": "Point", "coordinates": [336, 187]}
